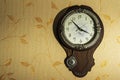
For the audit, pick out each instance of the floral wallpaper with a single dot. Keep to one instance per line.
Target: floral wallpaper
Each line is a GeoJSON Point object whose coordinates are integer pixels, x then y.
{"type": "Point", "coordinates": [29, 50]}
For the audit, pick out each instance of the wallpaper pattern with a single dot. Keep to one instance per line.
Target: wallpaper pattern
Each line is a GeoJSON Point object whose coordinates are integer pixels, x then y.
{"type": "Point", "coordinates": [29, 50]}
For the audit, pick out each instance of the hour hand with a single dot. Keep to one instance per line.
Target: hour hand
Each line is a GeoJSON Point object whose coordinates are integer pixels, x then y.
{"type": "Point", "coordinates": [84, 31]}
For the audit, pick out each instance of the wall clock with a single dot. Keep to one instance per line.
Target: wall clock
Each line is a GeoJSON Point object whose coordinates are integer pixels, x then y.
{"type": "Point", "coordinates": [79, 30]}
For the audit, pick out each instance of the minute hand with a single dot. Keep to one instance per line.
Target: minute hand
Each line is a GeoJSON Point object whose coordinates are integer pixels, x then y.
{"type": "Point", "coordinates": [79, 27]}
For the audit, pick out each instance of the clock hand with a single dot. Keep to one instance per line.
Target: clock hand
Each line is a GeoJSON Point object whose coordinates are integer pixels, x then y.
{"type": "Point", "coordinates": [84, 30]}
{"type": "Point", "coordinates": [79, 27]}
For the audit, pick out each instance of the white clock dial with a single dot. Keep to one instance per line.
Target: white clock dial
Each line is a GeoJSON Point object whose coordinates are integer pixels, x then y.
{"type": "Point", "coordinates": [78, 28]}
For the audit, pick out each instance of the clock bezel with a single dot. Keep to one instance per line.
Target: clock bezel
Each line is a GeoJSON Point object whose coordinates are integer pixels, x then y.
{"type": "Point", "coordinates": [97, 24]}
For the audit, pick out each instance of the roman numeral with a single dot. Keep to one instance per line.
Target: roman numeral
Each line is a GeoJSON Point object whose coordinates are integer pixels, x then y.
{"type": "Point", "coordinates": [67, 29]}
{"type": "Point", "coordinates": [85, 18]}
{"type": "Point", "coordinates": [69, 23]}
{"type": "Point", "coordinates": [73, 18]}
{"type": "Point", "coordinates": [74, 38]}
{"type": "Point", "coordinates": [69, 35]}
{"type": "Point", "coordinates": [90, 21]}
{"type": "Point", "coordinates": [86, 38]}
{"type": "Point", "coordinates": [79, 16]}
{"type": "Point", "coordinates": [80, 41]}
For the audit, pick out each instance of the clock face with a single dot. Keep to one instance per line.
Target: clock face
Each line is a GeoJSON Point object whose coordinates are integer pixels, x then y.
{"type": "Point", "coordinates": [78, 28]}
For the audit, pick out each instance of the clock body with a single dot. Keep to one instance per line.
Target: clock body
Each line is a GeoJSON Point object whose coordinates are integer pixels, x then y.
{"type": "Point", "coordinates": [79, 30]}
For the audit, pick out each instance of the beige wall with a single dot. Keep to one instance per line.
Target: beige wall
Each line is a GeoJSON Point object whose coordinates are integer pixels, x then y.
{"type": "Point", "coordinates": [29, 50]}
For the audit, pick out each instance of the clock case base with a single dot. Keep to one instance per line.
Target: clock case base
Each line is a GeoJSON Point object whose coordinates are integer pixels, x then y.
{"type": "Point", "coordinates": [77, 61]}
